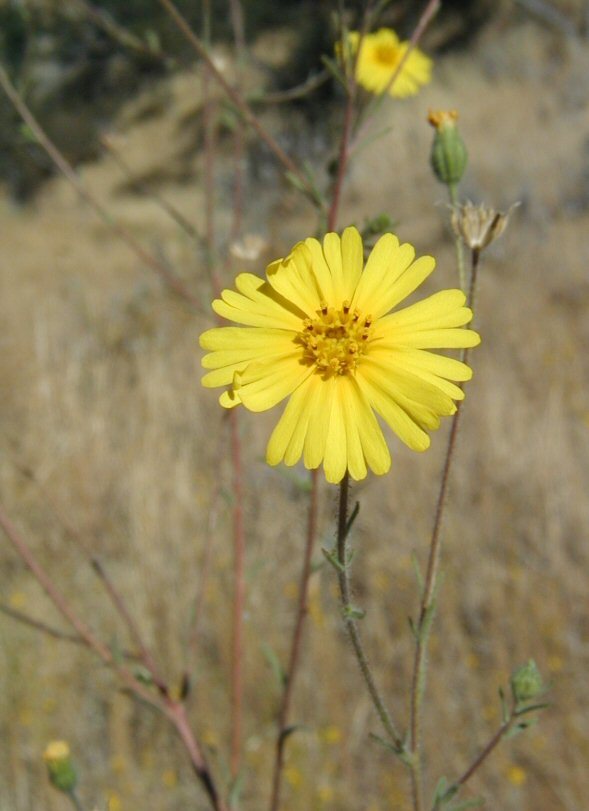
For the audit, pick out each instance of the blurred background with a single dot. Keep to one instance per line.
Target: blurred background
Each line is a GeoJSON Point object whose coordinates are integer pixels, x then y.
{"type": "Point", "coordinates": [105, 428]}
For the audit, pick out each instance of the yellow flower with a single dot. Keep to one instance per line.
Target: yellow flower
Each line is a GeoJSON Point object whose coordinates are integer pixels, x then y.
{"type": "Point", "coordinates": [318, 329]}
{"type": "Point", "coordinates": [379, 57]}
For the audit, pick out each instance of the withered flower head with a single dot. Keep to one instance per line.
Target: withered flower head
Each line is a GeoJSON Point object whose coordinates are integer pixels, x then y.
{"type": "Point", "coordinates": [479, 225]}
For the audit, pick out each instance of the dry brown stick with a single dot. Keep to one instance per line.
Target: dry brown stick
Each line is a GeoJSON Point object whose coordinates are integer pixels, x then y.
{"type": "Point", "coordinates": [56, 633]}
{"type": "Point", "coordinates": [118, 33]}
{"type": "Point", "coordinates": [160, 268]}
{"type": "Point", "coordinates": [113, 593]}
{"type": "Point", "coordinates": [237, 99]}
{"type": "Point", "coordinates": [173, 710]}
{"type": "Point", "coordinates": [295, 648]}
{"type": "Point", "coordinates": [171, 210]}
{"type": "Point", "coordinates": [62, 605]}
{"type": "Point", "coordinates": [237, 23]}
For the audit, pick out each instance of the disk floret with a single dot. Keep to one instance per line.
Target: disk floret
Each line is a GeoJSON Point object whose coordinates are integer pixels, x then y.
{"type": "Point", "coordinates": [335, 340]}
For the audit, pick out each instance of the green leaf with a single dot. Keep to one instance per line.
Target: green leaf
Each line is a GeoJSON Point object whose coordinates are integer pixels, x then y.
{"type": "Point", "coordinates": [236, 789]}
{"type": "Point", "coordinates": [520, 727]}
{"type": "Point", "coordinates": [335, 71]}
{"type": "Point", "coordinates": [403, 755]}
{"type": "Point", "coordinates": [475, 802]}
{"type": "Point", "coordinates": [352, 518]}
{"type": "Point", "coordinates": [531, 708]}
{"type": "Point", "coordinates": [28, 134]}
{"type": "Point", "coordinates": [352, 612]}
{"type": "Point", "coordinates": [417, 570]}
{"type": "Point", "coordinates": [275, 664]}
{"type": "Point", "coordinates": [505, 714]}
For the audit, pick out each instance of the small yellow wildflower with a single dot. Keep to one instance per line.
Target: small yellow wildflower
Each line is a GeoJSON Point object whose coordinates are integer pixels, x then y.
{"type": "Point", "coordinates": [293, 776]}
{"type": "Point", "coordinates": [516, 775]}
{"type": "Point", "coordinates": [318, 329]}
{"type": "Point", "coordinates": [56, 751]}
{"type": "Point", "coordinates": [380, 55]}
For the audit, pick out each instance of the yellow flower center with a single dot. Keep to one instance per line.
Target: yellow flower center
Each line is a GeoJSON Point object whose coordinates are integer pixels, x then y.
{"type": "Point", "coordinates": [335, 340]}
{"type": "Point", "coordinates": [387, 55]}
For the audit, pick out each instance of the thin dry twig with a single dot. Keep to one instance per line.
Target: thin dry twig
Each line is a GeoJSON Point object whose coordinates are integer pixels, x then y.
{"type": "Point", "coordinates": [237, 99]}
{"type": "Point", "coordinates": [139, 187]}
{"type": "Point", "coordinates": [98, 568]}
{"type": "Point", "coordinates": [173, 710]}
{"type": "Point", "coordinates": [296, 644]}
{"type": "Point", "coordinates": [55, 633]}
{"type": "Point", "coordinates": [175, 284]}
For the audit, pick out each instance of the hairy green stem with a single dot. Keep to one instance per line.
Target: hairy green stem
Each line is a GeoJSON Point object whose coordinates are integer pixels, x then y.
{"type": "Point", "coordinates": [453, 194]}
{"type": "Point", "coordinates": [349, 620]}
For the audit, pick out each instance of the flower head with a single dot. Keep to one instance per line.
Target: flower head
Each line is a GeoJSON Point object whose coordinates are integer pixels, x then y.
{"type": "Point", "coordinates": [380, 55]}
{"type": "Point", "coordinates": [60, 768]}
{"type": "Point", "coordinates": [448, 155]}
{"type": "Point", "coordinates": [318, 329]}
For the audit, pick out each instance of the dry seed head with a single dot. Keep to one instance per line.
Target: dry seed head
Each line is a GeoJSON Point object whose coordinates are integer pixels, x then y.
{"type": "Point", "coordinates": [478, 225]}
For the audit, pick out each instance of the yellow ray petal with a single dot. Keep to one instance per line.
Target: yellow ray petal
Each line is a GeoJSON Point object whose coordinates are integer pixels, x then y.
{"type": "Point", "coordinates": [314, 449]}
{"type": "Point", "coordinates": [440, 365]}
{"type": "Point", "coordinates": [335, 462]}
{"type": "Point", "coordinates": [287, 439]}
{"type": "Point", "coordinates": [398, 419]}
{"type": "Point", "coordinates": [373, 442]}
{"type": "Point", "coordinates": [386, 263]}
{"type": "Point", "coordinates": [404, 285]}
{"type": "Point", "coordinates": [440, 310]}
{"type": "Point", "coordinates": [293, 278]}
{"type": "Point", "coordinates": [265, 383]}
{"type": "Point", "coordinates": [351, 416]}
{"type": "Point", "coordinates": [257, 305]}
{"type": "Point", "coordinates": [320, 269]}
{"type": "Point", "coordinates": [440, 339]}
{"type": "Point", "coordinates": [332, 252]}
{"type": "Point", "coordinates": [386, 374]}
{"type": "Point", "coordinates": [352, 261]}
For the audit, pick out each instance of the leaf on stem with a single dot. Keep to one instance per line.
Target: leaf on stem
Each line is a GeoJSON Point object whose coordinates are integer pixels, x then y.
{"type": "Point", "coordinates": [275, 665]}
{"type": "Point", "coordinates": [402, 753]}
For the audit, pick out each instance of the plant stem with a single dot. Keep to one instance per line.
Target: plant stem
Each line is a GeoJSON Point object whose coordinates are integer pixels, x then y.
{"type": "Point", "coordinates": [233, 94]}
{"type": "Point", "coordinates": [485, 752]}
{"type": "Point", "coordinates": [295, 648]}
{"type": "Point", "coordinates": [75, 800]}
{"type": "Point", "coordinates": [427, 605]}
{"type": "Point", "coordinates": [348, 615]}
{"type": "Point", "coordinates": [453, 194]}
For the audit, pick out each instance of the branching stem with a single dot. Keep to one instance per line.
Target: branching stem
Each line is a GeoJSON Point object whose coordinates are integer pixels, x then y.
{"type": "Point", "coordinates": [427, 606]}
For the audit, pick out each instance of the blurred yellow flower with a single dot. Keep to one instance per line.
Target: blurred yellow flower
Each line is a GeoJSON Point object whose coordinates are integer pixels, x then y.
{"type": "Point", "coordinates": [56, 751]}
{"type": "Point", "coordinates": [516, 775]}
{"type": "Point", "coordinates": [318, 329]}
{"type": "Point", "coordinates": [380, 55]}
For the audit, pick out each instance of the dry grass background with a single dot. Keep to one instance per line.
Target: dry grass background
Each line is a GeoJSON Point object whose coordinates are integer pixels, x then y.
{"type": "Point", "coordinates": [101, 398]}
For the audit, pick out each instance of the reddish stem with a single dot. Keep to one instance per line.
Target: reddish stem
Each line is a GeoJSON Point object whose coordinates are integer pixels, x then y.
{"type": "Point", "coordinates": [297, 637]}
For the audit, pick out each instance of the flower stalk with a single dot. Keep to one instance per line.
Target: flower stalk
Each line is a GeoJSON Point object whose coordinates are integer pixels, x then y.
{"type": "Point", "coordinates": [427, 605]}
{"type": "Point", "coordinates": [351, 614]}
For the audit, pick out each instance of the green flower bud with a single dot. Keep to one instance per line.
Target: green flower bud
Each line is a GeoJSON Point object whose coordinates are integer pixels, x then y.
{"type": "Point", "coordinates": [448, 155]}
{"type": "Point", "coordinates": [61, 770]}
{"type": "Point", "coordinates": [526, 683]}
